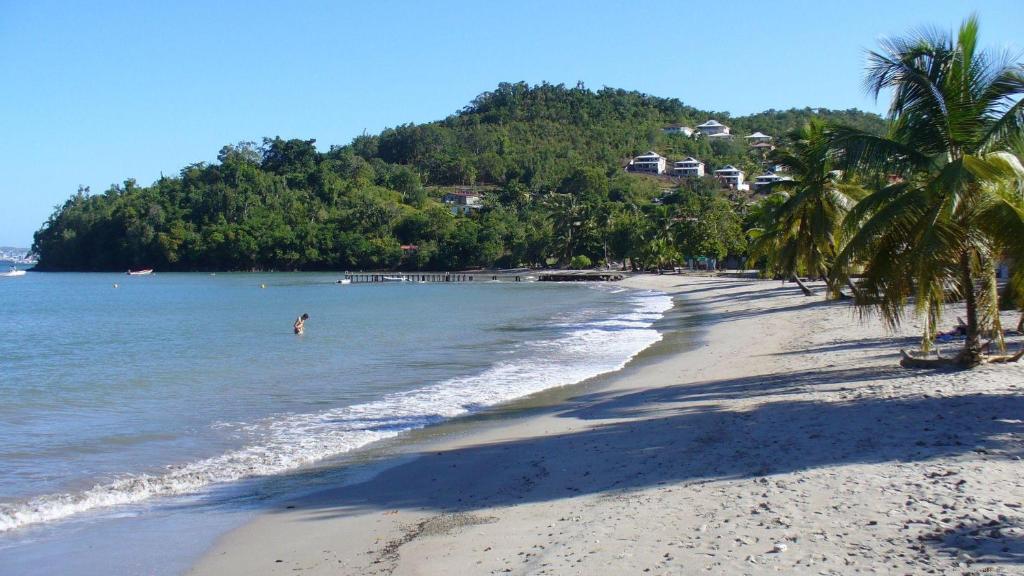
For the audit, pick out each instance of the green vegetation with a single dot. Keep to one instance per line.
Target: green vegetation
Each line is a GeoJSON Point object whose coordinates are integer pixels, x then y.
{"type": "Point", "coordinates": [548, 159]}
{"type": "Point", "coordinates": [804, 233]}
{"type": "Point", "coordinates": [924, 212]}
{"type": "Point", "coordinates": [937, 232]}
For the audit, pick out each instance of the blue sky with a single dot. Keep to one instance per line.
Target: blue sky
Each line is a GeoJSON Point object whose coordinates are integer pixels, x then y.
{"type": "Point", "coordinates": [94, 93]}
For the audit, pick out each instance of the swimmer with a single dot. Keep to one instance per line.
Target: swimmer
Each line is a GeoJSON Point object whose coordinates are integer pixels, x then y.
{"type": "Point", "coordinates": [300, 324]}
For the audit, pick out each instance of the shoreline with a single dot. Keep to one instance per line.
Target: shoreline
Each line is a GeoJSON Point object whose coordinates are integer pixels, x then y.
{"type": "Point", "coordinates": [782, 440]}
{"type": "Point", "coordinates": [35, 511]}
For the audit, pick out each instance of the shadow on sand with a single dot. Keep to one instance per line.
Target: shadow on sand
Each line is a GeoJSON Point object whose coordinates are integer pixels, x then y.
{"type": "Point", "coordinates": [683, 434]}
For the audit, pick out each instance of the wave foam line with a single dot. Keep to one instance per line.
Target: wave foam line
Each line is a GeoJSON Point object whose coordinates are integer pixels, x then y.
{"type": "Point", "coordinates": [297, 440]}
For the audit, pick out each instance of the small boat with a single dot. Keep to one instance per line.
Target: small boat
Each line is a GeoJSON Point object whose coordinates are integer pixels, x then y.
{"type": "Point", "coordinates": [13, 272]}
{"type": "Point", "coordinates": [344, 281]}
{"type": "Point", "coordinates": [142, 272]}
{"type": "Point", "coordinates": [395, 279]}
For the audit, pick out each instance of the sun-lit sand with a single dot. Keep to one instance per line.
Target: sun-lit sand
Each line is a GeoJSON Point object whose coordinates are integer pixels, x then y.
{"type": "Point", "coordinates": [787, 439]}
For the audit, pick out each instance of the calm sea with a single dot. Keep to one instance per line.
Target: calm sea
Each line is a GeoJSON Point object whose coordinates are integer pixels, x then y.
{"type": "Point", "coordinates": [127, 396]}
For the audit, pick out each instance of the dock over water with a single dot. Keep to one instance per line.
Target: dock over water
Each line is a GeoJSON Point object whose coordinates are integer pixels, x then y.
{"type": "Point", "coordinates": [483, 276]}
{"type": "Point", "coordinates": [581, 276]}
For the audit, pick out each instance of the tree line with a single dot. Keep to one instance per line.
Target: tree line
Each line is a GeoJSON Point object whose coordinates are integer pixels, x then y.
{"type": "Point", "coordinates": [549, 159]}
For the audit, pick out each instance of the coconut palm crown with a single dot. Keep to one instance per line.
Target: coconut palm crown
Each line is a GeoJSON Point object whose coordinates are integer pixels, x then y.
{"type": "Point", "coordinates": [804, 235]}
{"type": "Point", "coordinates": [953, 206]}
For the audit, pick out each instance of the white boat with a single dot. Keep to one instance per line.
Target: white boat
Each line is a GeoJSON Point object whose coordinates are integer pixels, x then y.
{"type": "Point", "coordinates": [344, 281]}
{"type": "Point", "coordinates": [13, 272]}
{"type": "Point", "coordinates": [395, 279]}
{"type": "Point", "coordinates": [143, 272]}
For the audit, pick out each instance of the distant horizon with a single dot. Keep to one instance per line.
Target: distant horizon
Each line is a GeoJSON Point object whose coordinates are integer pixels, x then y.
{"type": "Point", "coordinates": [120, 90]}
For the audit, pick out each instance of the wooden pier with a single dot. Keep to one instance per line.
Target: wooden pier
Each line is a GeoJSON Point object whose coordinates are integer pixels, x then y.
{"type": "Point", "coordinates": [432, 277]}
{"type": "Point", "coordinates": [584, 276]}
{"type": "Point", "coordinates": [479, 276]}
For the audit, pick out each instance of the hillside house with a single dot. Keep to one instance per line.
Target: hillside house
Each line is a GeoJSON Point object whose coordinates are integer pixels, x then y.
{"type": "Point", "coordinates": [731, 177]}
{"type": "Point", "coordinates": [764, 181]}
{"type": "Point", "coordinates": [688, 168]}
{"type": "Point", "coordinates": [463, 202]}
{"type": "Point", "coordinates": [714, 128]}
{"type": "Point", "coordinates": [651, 162]}
{"type": "Point", "coordinates": [678, 129]}
{"type": "Point", "coordinates": [759, 138]}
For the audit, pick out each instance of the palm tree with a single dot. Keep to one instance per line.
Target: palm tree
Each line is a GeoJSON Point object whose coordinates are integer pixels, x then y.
{"type": "Point", "coordinates": [804, 233]}
{"type": "Point", "coordinates": [571, 220]}
{"type": "Point", "coordinates": [955, 201]}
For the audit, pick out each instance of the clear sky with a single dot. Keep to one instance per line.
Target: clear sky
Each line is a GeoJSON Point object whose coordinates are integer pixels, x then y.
{"type": "Point", "coordinates": [96, 92]}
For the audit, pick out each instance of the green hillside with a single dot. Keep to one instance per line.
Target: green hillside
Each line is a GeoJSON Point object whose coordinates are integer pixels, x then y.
{"type": "Point", "coordinates": [549, 160]}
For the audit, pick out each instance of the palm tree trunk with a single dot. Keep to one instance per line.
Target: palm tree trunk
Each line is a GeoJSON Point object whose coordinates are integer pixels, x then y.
{"type": "Point", "coordinates": [853, 288]}
{"type": "Point", "coordinates": [971, 354]}
{"type": "Point", "coordinates": [835, 290]}
{"type": "Point", "coordinates": [803, 287]}
{"type": "Point", "coordinates": [994, 326]}
{"type": "Point", "coordinates": [1020, 324]}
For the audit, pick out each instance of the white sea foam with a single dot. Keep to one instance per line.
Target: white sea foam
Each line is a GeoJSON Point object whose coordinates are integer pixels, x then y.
{"type": "Point", "coordinates": [289, 442]}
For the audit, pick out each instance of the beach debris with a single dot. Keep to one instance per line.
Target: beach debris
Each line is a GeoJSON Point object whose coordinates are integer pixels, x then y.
{"type": "Point", "coordinates": [780, 547]}
{"type": "Point", "coordinates": [909, 361]}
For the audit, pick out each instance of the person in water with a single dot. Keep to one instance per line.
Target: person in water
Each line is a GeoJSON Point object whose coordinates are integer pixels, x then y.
{"type": "Point", "coordinates": [300, 323]}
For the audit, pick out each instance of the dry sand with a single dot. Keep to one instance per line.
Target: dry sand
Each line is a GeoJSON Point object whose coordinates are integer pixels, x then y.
{"type": "Point", "coordinates": [788, 440]}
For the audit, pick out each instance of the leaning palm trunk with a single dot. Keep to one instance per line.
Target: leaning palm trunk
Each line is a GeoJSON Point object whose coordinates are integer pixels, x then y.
{"type": "Point", "coordinates": [835, 289]}
{"type": "Point", "coordinates": [854, 291]}
{"type": "Point", "coordinates": [800, 283]}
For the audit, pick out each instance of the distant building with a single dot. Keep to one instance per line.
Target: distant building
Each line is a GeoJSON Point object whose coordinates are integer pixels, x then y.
{"type": "Point", "coordinates": [688, 168]}
{"type": "Point", "coordinates": [765, 180]}
{"type": "Point", "coordinates": [409, 249]}
{"type": "Point", "coordinates": [463, 202]}
{"type": "Point", "coordinates": [651, 162]}
{"type": "Point", "coordinates": [760, 142]}
{"type": "Point", "coordinates": [678, 129]}
{"type": "Point", "coordinates": [731, 177]}
{"type": "Point", "coordinates": [714, 128]}
{"type": "Point", "coordinates": [759, 138]}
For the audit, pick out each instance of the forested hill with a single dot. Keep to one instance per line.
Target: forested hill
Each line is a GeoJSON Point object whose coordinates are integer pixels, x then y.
{"type": "Point", "coordinates": [549, 159]}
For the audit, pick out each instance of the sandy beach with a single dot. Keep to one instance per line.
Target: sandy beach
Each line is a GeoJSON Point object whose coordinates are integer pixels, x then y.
{"type": "Point", "coordinates": [786, 439]}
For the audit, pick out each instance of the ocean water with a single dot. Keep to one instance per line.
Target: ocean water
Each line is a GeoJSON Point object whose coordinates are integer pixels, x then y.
{"type": "Point", "coordinates": [134, 396]}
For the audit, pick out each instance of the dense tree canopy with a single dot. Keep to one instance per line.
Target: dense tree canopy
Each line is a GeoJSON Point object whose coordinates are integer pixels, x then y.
{"type": "Point", "coordinates": [549, 160]}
